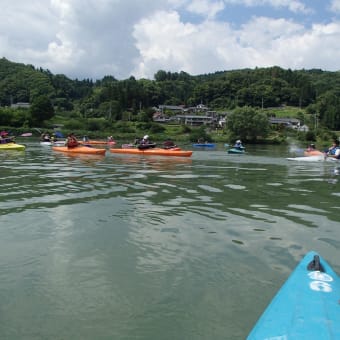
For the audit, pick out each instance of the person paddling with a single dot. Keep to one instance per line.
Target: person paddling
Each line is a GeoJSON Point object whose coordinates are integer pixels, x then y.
{"type": "Point", "coordinates": [145, 143]}
{"type": "Point", "coordinates": [169, 144]}
{"type": "Point", "coordinates": [334, 150]}
{"type": "Point", "coordinates": [238, 145]}
{"type": "Point", "coordinates": [71, 141]}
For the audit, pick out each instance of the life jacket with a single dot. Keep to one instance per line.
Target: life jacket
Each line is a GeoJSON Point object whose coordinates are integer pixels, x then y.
{"type": "Point", "coordinates": [337, 148]}
{"type": "Point", "coordinates": [333, 150]}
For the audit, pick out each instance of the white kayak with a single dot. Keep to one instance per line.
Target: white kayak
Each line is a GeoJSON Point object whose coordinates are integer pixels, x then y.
{"type": "Point", "coordinates": [316, 158]}
{"type": "Point", "coordinates": [319, 158]}
{"type": "Point", "coordinates": [55, 143]}
{"type": "Point", "coordinates": [59, 142]}
{"type": "Point", "coordinates": [45, 143]}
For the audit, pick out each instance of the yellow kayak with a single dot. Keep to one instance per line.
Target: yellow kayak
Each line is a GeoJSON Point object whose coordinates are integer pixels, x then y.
{"type": "Point", "coordinates": [12, 146]}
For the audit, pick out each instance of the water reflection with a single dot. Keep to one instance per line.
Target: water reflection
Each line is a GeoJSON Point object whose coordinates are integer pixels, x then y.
{"type": "Point", "coordinates": [143, 240]}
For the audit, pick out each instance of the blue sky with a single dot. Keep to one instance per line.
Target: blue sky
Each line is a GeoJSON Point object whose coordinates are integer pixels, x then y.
{"type": "Point", "coordinates": [123, 38]}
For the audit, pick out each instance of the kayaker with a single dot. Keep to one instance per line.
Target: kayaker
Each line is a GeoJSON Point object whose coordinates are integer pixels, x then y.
{"type": "Point", "coordinates": [145, 140]}
{"type": "Point", "coordinates": [169, 144]}
{"type": "Point", "coordinates": [71, 141]}
{"type": "Point", "coordinates": [45, 137]}
{"type": "Point", "coordinates": [5, 140]}
{"type": "Point", "coordinates": [311, 147]}
{"type": "Point", "coordinates": [312, 151]}
{"type": "Point", "coordinates": [238, 144]}
{"type": "Point", "coordinates": [334, 150]}
{"type": "Point", "coordinates": [145, 143]}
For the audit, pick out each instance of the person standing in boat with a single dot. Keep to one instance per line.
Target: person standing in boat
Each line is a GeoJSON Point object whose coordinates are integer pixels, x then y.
{"type": "Point", "coordinates": [71, 141]}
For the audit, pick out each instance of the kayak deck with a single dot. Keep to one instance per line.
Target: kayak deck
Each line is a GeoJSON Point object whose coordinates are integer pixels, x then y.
{"type": "Point", "coordinates": [80, 149]}
{"type": "Point", "coordinates": [315, 158]}
{"type": "Point", "coordinates": [153, 151]}
{"type": "Point", "coordinates": [306, 307]}
{"type": "Point", "coordinates": [236, 150]}
{"type": "Point", "coordinates": [97, 142]}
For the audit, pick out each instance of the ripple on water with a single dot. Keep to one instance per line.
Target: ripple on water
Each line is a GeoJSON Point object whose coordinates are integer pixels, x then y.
{"type": "Point", "coordinates": [209, 188]}
{"type": "Point", "coordinates": [235, 186]}
{"type": "Point", "coordinates": [104, 237]}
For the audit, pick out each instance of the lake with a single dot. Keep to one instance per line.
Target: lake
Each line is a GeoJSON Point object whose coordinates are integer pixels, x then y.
{"type": "Point", "coordinates": [130, 247]}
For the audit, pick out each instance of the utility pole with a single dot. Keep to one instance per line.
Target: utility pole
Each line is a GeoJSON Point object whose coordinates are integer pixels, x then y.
{"type": "Point", "coordinates": [315, 121]}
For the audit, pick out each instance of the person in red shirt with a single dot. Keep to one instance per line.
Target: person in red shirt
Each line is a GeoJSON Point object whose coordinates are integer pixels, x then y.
{"type": "Point", "coordinates": [71, 141]}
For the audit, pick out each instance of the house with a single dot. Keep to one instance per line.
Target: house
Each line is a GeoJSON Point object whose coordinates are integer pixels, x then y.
{"type": "Point", "coordinates": [194, 120]}
{"type": "Point", "coordinates": [159, 117]}
{"type": "Point", "coordinates": [172, 108]}
{"type": "Point", "coordinates": [288, 122]}
{"type": "Point", "coordinates": [21, 105]}
{"type": "Point", "coordinates": [189, 115]}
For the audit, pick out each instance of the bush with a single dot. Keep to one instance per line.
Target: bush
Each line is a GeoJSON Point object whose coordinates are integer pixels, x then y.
{"type": "Point", "coordinates": [124, 127]}
{"type": "Point", "coordinates": [157, 128]}
{"type": "Point", "coordinates": [96, 124]}
{"type": "Point", "coordinates": [310, 136]}
{"type": "Point", "coordinates": [185, 129]}
{"type": "Point", "coordinates": [74, 124]}
{"type": "Point", "coordinates": [143, 126]}
{"type": "Point", "coordinates": [198, 134]}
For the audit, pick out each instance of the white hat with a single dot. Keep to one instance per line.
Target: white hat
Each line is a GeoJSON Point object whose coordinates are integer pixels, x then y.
{"type": "Point", "coordinates": [146, 137]}
{"type": "Point", "coordinates": [238, 141]}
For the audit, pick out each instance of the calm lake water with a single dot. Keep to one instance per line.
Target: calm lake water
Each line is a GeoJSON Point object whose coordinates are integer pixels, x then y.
{"type": "Point", "coordinates": [129, 247]}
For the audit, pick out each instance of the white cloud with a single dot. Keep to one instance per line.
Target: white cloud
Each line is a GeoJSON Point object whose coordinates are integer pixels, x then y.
{"type": "Point", "coordinates": [335, 6]}
{"type": "Point", "coordinates": [89, 38]}
{"type": "Point", "coordinates": [292, 5]}
{"type": "Point", "coordinates": [164, 42]}
{"type": "Point", "coordinates": [94, 38]}
{"type": "Point", "coordinates": [206, 8]}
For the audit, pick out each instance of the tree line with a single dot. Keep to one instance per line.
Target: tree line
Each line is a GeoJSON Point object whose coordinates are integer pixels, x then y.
{"type": "Point", "coordinates": [315, 91]}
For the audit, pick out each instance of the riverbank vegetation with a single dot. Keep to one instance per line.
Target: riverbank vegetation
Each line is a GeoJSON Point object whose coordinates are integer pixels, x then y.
{"type": "Point", "coordinates": [125, 108]}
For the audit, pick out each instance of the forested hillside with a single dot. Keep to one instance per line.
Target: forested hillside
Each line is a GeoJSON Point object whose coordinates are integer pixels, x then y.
{"type": "Point", "coordinates": [316, 91]}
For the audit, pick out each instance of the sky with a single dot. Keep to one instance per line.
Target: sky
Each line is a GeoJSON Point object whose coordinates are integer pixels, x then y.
{"type": "Point", "coordinates": [90, 39]}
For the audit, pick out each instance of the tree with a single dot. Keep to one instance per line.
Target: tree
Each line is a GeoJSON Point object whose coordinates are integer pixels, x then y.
{"type": "Point", "coordinates": [328, 106]}
{"type": "Point", "coordinates": [41, 110]}
{"type": "Point", "coordinates": [248, 124]}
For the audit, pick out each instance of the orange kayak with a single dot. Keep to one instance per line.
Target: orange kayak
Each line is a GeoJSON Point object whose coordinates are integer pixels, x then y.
{"type": "Point", "coordinates": [80, 149]}
{"type": "Point", "coordinates": [154, 151]}
{"type": "Point", "coordinates": [97, 142]}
